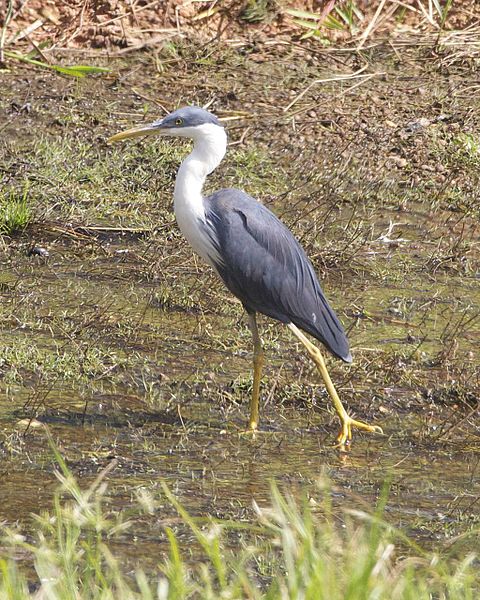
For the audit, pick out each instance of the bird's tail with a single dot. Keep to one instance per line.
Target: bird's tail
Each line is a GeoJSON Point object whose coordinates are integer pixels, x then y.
{"type": "Point", "coordinates": [325, 326]}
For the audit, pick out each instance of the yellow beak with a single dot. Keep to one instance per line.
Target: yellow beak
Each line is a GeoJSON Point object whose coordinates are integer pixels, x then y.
{"type": "Point", "coordinates": [134, 132]}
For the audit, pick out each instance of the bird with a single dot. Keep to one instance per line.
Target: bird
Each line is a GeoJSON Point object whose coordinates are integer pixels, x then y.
{"type": "Point", "coordinates": [253, 252]}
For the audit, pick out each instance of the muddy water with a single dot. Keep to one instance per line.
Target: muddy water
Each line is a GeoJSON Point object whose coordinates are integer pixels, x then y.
{"type": "Point", "coordinates": [432, 486]}
{"type": "Point", "coordinates": [167, 401]}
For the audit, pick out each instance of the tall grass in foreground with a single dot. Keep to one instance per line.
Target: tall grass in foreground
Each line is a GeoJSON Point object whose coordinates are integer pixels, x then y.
{"type": "Point", "coordinates": [294, 551]}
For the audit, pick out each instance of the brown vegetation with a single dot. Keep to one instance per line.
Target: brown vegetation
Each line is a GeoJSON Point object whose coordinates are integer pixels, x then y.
{"type": "Point", "coordinates": [110, 24]}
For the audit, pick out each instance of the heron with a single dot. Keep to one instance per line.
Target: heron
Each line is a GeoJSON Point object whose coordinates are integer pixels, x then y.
{"type": "Point", "coordinates": [254, 253]}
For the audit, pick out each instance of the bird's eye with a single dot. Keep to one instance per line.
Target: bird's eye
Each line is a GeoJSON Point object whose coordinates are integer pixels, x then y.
{"type": "Point", "coordinates": [178, 121]}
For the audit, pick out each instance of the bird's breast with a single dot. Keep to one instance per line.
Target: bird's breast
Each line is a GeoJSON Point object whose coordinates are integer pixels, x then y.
{"type": "Point", "coordinates": [190, 210]}
{"type": "Point", "coordinates": [195, 229]}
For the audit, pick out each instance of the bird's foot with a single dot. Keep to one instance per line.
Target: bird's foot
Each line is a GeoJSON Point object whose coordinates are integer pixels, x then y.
{"type": "Point", "coordinates": [251, 429]}
{"type": "Point", "coordinates": [345, 434]}
{"type": "Point", "coordinates": [248, 432]}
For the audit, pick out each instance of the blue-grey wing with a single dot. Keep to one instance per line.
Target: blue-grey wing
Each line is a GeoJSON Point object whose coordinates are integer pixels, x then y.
{"type": "Point", "coordinates": [267, 269]}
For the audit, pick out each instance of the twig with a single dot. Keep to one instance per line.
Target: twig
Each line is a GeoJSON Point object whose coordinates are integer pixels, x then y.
{"type": "Point", "coordinates": [144, 44]}
{"type": "Point", "coordinates": [406, 6]}
{"type": "Point", "coordinates": [25, 32]}
{"type": "Point", "coordinates": [101, 476]}
{"type": "Point", "coordinates": [428, 15]}
{"type": "Point", "coordinates": [80, 24]}
{"type": "Point", "coordinates": [100, 229]}
{"type": "Point", "coordinates": [19, 9]}
{"type": "Point", "coordinates": [8, 17]}
{"type": "Point", "coordinates": [242, 137]}
{"type": "Point", "coordinates": [149, 99]}
{"type": "Point", "coordinates": [371, 25]}
{"type": "Point", "coordinates": [134, 13]}
{"type": "Point", "coordinates": [351, 88]}
{"type": "Point", "coordinates": [329, 79]}
{"type": "Point", "coordinates": [454, 426]}
{"type": "Point", "coordinates": [120, 17]}
{"type": "Point", "coordinates": [37, 49]}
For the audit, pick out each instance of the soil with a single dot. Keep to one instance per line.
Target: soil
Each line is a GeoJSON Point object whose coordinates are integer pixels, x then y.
{"type": "Point", "coordinates": [110, 24]}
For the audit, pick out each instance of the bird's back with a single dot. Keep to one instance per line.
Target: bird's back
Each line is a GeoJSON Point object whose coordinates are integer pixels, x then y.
{"type": "Point", "coordinates": [267, 269]}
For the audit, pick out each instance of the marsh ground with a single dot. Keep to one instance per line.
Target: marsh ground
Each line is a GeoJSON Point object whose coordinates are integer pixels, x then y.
{"type": "Point", "coordinates": [125, 346]}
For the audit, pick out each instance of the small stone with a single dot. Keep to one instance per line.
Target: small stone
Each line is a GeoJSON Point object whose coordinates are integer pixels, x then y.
{"type": "Point", "coordinates": [399, 161]}
{"type": "Point", "coordinates": [417, 125]}
{"type": "Point", "coordinates": [38, 251]}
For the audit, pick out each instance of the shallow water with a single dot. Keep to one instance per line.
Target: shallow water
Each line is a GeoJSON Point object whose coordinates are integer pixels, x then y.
{"type": "Point", "coordinates": [161, 398]}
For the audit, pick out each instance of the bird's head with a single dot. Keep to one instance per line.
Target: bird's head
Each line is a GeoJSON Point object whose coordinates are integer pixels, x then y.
{"type": "Point", "coordinates": [190, 121]}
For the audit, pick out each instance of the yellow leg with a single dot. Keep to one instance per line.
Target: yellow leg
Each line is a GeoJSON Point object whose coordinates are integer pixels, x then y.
{"type": "Point", "coordinates": [257, 372]}
{"type": "Point", "coordinates": [346, 421]}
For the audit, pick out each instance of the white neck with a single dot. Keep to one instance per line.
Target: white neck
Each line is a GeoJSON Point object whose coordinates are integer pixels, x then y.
{"type": "Point", "coordinates": [210, 144]}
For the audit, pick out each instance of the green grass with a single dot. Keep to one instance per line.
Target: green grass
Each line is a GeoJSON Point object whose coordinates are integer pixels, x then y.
{"type": "Point", "coordinates": [129, 184]}
{"type": "Point", "coordinates": [70, 70]}
{"type": "Point", "coordinates": [292, 550]}
{"type": "Point", "coordinates": [345, 17]}
{"type": "Point", "coordinates": [468, 148]}
{"type": "Point", "coordinates": [256, 11]}
{"type": "Point", "coordinates": [78, 363]}
{"type": "Point", "coordinates": [15, 212]}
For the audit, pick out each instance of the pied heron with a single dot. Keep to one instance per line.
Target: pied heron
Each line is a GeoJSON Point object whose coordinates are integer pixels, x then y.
{"type": "Point", "coordinates": [253, 252]}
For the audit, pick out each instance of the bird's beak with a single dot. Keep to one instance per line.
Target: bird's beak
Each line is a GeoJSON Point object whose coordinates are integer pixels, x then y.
{"type": "Point", "coordinates": [150, 129]}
